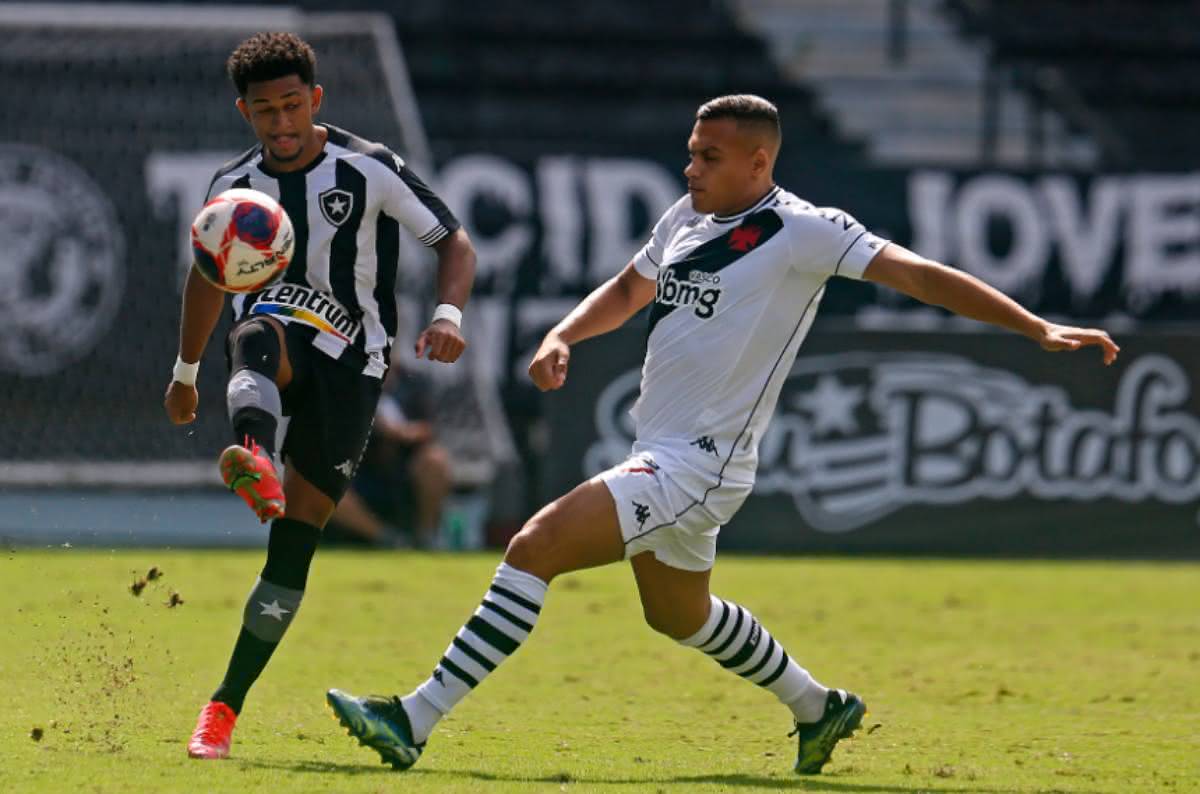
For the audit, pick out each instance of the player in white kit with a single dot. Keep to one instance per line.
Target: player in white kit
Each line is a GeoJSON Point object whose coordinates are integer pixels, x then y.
{"type": "Point", "coordinates": [735, 271]}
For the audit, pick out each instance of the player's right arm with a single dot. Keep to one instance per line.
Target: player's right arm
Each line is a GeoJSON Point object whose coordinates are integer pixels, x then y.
{"type": "Point", "coordinates": [202, 306]}
{"type": "Point", "coordinates": [605, 309]}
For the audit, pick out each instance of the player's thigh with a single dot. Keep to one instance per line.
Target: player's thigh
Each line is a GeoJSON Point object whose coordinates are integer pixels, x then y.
{"type": "Point", "coordinates": [576, 531]}
{"type": "Point", "coordinates": [330, 424]}
{"type": "Point", "coordinates": [674, 601]}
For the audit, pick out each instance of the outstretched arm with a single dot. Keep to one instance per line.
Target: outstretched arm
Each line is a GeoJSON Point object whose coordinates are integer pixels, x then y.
{"type": "Point", "coordinates": [202, 305]}
{"type": "Point", "coordinates": [605, 309]}
{"type": "Point", "coordinates": [963, 294]}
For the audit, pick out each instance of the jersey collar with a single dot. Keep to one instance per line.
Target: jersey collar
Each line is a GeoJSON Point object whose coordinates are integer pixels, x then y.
{"type": "Point", "coordinates": [762, 202]}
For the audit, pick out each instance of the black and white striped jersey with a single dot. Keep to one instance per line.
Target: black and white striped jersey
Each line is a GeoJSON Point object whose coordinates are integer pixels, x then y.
{"type": "Point", "coordinates": [346, 208]}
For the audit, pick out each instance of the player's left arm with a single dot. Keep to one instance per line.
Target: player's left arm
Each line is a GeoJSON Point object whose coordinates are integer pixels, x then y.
{"type": "Point", "coordinates": [443, 340]}
{"type": "Point", "coordinates": [937, 285]}
{"type": "Point", "coordinates": [408, 199]}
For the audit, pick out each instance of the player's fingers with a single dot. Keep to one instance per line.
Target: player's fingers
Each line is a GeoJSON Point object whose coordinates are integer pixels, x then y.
{"type": "Point", "coordinates": [1111, 349]}
{"type": "Point", "coordinates": [542, 374]}
{"type": "Point", "coordinates": [422, 343]}
{"type": "Point", "coordinates": [1108, 347]}
{"type": "Point", "coordinates": [437, 350]}
{"type": "Point", "coordinates": [454, 349]}
{"type": "Point", "coordinates": [1062, 342]}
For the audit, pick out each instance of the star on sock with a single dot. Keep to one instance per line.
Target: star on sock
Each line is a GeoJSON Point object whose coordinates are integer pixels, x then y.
{"type": "Point", "coordinates": [273, 609]}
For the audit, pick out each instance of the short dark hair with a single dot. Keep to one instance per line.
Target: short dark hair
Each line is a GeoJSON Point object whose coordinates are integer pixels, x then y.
{"type": "Point", "coordinates": [744, 109]}
{"type": "Point", "coordinates": [269, 56]}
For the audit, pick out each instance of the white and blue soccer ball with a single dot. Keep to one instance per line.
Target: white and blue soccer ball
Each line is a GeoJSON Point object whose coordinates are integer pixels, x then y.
{"type": "Point", "coordinates": [242, 241]}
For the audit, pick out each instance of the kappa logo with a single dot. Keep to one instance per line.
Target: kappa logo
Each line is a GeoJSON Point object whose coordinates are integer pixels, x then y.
{"type": "Point", "coordinates": [755, 633]}
{"type": "Point", "coordinates": [336, 205]}
{"type": "Point", "coordinates": [706, 444]}
{"type": "Point", "coordinates": [858, 436]}
{"type": "Point", "coordinates": [345, 468]}
{"type": "Point", "coordinates": [641, 513]}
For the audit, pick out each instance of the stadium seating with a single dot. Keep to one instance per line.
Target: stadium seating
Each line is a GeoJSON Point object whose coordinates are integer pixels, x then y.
{"type": "Point", "coordinates": [483, 74]}
{"type": "Point", "coordinates": [1133, 64]}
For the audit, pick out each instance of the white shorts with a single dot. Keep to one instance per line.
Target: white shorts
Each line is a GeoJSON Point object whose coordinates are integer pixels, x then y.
{"type": "Point", "coordinates": [676, 517]}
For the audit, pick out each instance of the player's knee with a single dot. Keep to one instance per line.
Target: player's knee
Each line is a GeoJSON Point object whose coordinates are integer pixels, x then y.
{"type": "Point", "coordinates": [255, 346]}
{"type": "Point", "coordinates": [666, 622]}
{"type": "Point", "coordinates": [672, 618]}
{"type": "Point", "coordinates": [534, 548]}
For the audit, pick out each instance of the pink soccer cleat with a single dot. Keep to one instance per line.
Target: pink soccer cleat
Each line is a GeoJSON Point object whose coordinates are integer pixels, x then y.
{"type": "Point", "coordinates": [214, 732]}
{"type": "Point", "coordinates": [249, 473]}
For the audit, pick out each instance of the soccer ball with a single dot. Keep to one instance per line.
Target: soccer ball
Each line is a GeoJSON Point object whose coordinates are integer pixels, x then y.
{"type": "Point", "coordinates": [242, 241]}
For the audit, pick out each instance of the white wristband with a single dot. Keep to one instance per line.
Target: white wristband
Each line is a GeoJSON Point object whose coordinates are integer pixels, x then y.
{"type": "Point", "coordinates": [448, 311]}
{"type": "Point", "coordinates": [185, 373]}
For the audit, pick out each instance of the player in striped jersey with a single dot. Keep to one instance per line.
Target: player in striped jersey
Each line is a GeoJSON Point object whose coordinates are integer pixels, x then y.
{"type": "Point", "coordinates": [314, 347]}
{"type": "Point", "coordinates": [734, 272]}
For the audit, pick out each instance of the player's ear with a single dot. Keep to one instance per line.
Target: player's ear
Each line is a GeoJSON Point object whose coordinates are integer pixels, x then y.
{"type": "Point", "coordinates": [317, 94]}
{"type": "Point", "coordinates": [760, 161]}
{"type": "Point", "coordinates": [243, 108]}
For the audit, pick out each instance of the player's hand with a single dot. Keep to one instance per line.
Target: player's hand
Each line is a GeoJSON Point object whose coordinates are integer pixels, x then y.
{"type": "Point", "coordinates": [180, 403]}
{"type": "Point", "coordinates": [1066, 337]}
{"type": "Point", "coordinates": [549, 366]}
{"type": "Point", "coordinates": [442, 341]}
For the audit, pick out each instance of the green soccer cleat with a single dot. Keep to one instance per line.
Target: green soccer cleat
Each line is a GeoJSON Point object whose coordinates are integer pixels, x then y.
{"type": "Point", "coordinates": [379, 723]}
{"type": "Point", "coordinates": [843, 714]}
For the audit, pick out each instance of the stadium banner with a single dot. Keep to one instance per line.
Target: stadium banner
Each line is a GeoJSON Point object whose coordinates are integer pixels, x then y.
{"type": "Point", "coordinates": [97, 190]}
{"type": "Point", "coordinates": [93, 234]}
{"type": "Point", "coordinates": [937, 443]}
{"type": "Point", "coordinates": [1084, 246]}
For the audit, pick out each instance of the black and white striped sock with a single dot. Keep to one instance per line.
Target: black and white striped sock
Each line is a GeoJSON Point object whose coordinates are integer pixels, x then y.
{"type": "Point", "coordinates": [502, 622]}
{"type": "Point", "coordinates": [738, 642]}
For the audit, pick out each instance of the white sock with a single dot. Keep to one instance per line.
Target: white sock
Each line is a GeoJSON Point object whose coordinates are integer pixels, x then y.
{"type": "Point", "coordinates": [738, 642]}
{"type": "Point", "coordinates": [502, 622]}
{"type": "Point", "coordinates": [422, 715]}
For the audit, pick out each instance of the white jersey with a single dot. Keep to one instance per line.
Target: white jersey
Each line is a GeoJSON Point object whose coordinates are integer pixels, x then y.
{"type": "Point", "coordinates": [346, 208]}
{"type": "Point", "coordinates": [735, 298]}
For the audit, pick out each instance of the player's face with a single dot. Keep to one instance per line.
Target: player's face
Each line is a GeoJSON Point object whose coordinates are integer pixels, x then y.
{"type": "Point", "coordinates": [725, 167]}
{"type": "Point", "coordinates": [281, 112]}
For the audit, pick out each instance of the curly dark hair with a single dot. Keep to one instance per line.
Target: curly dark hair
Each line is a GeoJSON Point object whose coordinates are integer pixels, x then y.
{"type": "Point", "coordinates": [269, 56]}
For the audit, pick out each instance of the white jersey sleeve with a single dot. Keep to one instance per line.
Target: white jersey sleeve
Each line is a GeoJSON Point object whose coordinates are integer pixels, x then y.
{"type": "Point", "coordinates": [409, 200]}
{"type": "Point", "coordinates": [828, 241]}
{"type": "Point", "coordinates": [648, 260]}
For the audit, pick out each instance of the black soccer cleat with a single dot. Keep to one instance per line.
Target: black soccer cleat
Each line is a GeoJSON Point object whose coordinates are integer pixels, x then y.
{"type": "Point", "coordinates": [843, 714]}
{"type": "Point", "coordinates": [379, 723]}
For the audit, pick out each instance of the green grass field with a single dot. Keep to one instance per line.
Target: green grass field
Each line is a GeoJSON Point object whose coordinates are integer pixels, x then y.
{"type": "Point", "coordinates": [981, 677]}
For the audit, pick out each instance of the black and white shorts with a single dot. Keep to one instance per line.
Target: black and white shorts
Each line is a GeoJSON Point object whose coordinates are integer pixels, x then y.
{"type": "Point", "coordinates": [329, 408]}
